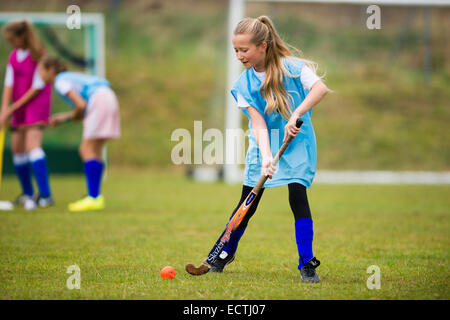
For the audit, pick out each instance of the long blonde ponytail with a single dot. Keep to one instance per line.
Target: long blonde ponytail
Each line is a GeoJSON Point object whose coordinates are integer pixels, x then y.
{"type": "Point", "coordinates": [262, 30]}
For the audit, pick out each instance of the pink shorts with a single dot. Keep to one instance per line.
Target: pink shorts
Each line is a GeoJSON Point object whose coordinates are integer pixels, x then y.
{"type": "Point", "coordinates": [102, 120]}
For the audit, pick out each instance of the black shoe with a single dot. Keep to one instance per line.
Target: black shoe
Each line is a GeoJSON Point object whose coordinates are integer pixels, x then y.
{"type": "Point", "coordinates": [308, 271]}
{"type": "Point", "coordinates": [220, 263]}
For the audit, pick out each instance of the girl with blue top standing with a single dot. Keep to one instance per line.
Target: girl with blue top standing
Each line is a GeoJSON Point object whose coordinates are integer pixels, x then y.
{"type": "Point", "coordinates": [96, 105]}
{"type": "Point", "coordinates": [274, 91]}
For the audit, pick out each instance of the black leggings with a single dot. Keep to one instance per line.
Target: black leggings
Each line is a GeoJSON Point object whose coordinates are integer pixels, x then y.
{"type": "Point", "coordinates": [297, 199]}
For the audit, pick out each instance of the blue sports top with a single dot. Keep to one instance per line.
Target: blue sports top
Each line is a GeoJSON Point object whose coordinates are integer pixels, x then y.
{"type": "Point", "coordinates": [85, 85]}
{"type": "Point", "coordinates": [298, 163]}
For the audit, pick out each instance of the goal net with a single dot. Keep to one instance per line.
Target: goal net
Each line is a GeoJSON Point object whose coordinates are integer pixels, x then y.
{"type": "Point", "coordinates": [83, 49]}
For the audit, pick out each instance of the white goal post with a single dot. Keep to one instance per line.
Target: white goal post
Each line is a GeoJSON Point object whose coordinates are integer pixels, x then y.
{"type": "Point", "coordinates": [232, 172]}
{"type": "Point", "coordinates": [92, 23]}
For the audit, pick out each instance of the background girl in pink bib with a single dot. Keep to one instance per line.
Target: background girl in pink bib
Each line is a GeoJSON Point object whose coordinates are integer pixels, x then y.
{"type": "Point", "coordinates": [29, 112]}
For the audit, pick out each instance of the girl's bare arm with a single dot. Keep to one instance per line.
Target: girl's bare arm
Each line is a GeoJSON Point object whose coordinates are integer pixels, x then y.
{"type": "Point", "coordinates": [262, 138]}
{"type": "Point", "coordinates": [80, 104]}
{"type": "Point", "coordinates": [76, 114]}
{"type": "Point", "coordinates": [6, 96]}
{"type": "Point", "coordinates": [317, 92]}
{"type": "Point", "coordinates": [30, 94]}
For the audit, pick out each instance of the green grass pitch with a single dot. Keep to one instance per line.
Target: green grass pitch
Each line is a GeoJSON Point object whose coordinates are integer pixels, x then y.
{"type": "Point", "coordinates": [154, 219]}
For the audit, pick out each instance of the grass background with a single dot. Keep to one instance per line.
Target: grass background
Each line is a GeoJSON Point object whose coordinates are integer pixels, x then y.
{"type": "Point", "coordinates": [169, 220]}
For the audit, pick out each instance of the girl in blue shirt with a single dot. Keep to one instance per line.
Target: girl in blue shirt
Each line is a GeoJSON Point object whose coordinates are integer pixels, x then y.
{"type": "Point", "coordinates": [96, 105]}
{"type": "Point", "coordinates": [274, 91]}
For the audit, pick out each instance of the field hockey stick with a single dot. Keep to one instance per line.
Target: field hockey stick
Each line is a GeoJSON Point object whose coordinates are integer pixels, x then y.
{"type": "Point", "coordinates": [238, 216]}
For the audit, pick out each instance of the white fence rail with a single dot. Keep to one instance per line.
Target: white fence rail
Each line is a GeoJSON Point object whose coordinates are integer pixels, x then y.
{"type": "Point", "coordinates": [382, 177]}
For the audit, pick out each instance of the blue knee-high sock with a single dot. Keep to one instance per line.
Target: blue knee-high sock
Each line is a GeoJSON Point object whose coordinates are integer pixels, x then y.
{"type": "Point", "coordinates": [40, 170]}
{"type": "Point", "coordinates": [93, 170]}
{"type": "Point", "coordinates": [232, 245]}
{"type": "Point", "coordinates": [23, 170]}
{"type": "Point", "coordinates": [304, 236]}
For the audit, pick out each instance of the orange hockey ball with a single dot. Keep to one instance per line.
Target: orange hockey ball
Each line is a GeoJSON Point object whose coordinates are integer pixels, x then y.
{"type": "Point", "coordinates": [168, 272]}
